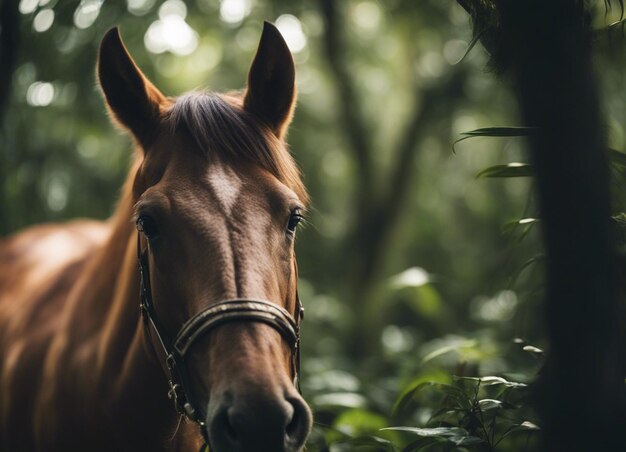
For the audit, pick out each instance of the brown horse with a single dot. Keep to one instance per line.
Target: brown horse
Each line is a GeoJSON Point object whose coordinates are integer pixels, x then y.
{"type": "Point", "coordinates": [217, 198]}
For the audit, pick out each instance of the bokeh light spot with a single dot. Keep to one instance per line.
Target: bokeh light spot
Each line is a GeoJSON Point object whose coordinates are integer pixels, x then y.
{"type": "Point", "coordinates": [40, 94]}
{"type": "Point", "coordinates": [87, 13]}
{"type": "Point", "coordinates": [171, 33]}
{"type": "Point", "coordinates": [139, 7]}
{"type": "Point", "coordinates": [412, 277]}
{"type": "Point", "coordinates": [43, 20]}
{"type": "Point", "coordinates": [173, 8]}
{"type": "Point", "coordinates": [57, 191]}
{"type": "Point", "coordinates": [28, 6]}
{"type": "Point", "coordinates": [234, 11]}
{"type": "Point", "coordinates": [291, 29]}
{"type": "Point", "coordinates": [367, 15]}
{"type": "Point", "coordinates": [454, 50]}
{"type": "Point", "coordinates": [208, 56]}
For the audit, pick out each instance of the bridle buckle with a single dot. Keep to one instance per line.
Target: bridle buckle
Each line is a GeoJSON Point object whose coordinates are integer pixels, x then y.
{"type": "Point", "coordinates": [170, 362]}
{"type": "Point", "coordinates": [177, 394]}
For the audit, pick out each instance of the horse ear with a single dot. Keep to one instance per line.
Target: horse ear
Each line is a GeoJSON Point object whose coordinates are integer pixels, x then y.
{"type": "Point", "coordinates": [132, 99]}
{"type": "Point", "coordinates": [271, 91]}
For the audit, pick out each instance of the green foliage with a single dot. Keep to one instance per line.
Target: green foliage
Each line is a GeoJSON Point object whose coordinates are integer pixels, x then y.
{"type": "Point", "coordinates": [437, 411]}
{"type": "Point", "coordinates": [460, 275]}
{"type": "Point", "coordinates": [508, 170]}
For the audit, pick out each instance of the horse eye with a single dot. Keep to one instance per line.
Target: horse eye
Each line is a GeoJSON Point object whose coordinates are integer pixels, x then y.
{"type": "Point", "coordinates": [295, 218]}
{"type": "Point", "coordinates": [147, 225]}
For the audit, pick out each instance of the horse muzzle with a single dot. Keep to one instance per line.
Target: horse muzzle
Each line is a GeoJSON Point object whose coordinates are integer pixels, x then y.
{"type": "Point", "coordinates": [255, 420]}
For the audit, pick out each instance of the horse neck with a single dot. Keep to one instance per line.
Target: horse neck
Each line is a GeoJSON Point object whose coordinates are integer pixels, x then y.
{"type": "Point", "coordinates": [138, 388]}
{"type": "Point", "coordinates": [107, 312]}
{"type": "Point", "coordinates": [100, 356]}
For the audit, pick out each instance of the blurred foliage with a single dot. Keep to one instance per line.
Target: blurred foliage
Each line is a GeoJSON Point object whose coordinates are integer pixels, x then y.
{"type": "Point", "coordinates": [456, 290]}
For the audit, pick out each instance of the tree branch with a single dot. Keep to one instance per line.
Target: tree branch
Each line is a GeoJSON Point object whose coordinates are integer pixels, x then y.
{"type": "Point", "coordinates": [427, 105]}
{"type": "Point", "coordinates": [353, 123]}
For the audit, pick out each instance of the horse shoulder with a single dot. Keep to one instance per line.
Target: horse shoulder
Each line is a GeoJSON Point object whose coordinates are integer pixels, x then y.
{"type": "Point", "coordinates": [31, 257]}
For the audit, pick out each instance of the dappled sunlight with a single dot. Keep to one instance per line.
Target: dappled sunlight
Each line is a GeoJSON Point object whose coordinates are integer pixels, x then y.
{"type": "Point", "coordinates": [48, 253]}
{"type": "Point", "coordinates": [454, 49]}
{"type": "Point", "coordinates": [367, 15]}
{"type": "Point", "coordinates": [412, 277]}
{"type": "Point", "coordinates": [87, 13]}
{"type": "Point", "coordinates": [431, 65]}
{"type": "Point", "coordinates": [291, 29]}
{"type": "Point", "coordinates": [499, 308]}
{"type": "Point", "coordinates": [234, 11]}
{"type": "Point", "coordinates": [40, 94]}
{"type": "Point", "coordinates": [422, 264]}
{"type": "Point", "coordinates": [171, 32]}
{"type": "Point", "coordinates": [28, 6]}
{"type": "Point", "coordinates": [43, 20]}
{"type": "Point", "coordinates": [56, 187]}
{"type": "Point", "coordinates": [140, 7]}
{"type": "Point", "coordinates": [397, 340]}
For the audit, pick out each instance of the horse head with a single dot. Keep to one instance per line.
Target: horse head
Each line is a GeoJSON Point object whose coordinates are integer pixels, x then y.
{"type": "Point", "coordinates": [218, 200]}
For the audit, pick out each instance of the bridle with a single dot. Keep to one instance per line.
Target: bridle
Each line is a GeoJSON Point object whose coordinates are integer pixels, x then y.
{"type": "Point", "coordinates": [233, 310]}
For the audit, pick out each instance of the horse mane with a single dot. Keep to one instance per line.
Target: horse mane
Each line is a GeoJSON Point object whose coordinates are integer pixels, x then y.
{"type": "Point", "coordinates": [219, 125]}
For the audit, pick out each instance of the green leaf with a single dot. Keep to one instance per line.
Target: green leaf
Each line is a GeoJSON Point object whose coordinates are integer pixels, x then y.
{"type": "Point", "coordinates": [514, 131]}
{"type": "Point", "coordinates": [617, 157]}
{"type": "Point", "coordinates": [453, 347]}
{"type": "Point", "coordinates": [339, 400]}
{"type": "Point", "coordinates": [611, 27]}
{"type": "Point", "coordinates": [471, 45]}
{"type": "Point", "coordinates": [495, 132]}
{"type": "Point", "coordinates": [525, 265]}
{"type": "Point", "coordinates": [444, 413]}
{"type": "Point", "coordinates": [407, 394]}
{"type": "Point", "coordinates": [527, 425]}
{"type": "Point", "coordinates": [406, 399]}
{"type": "Point", "coordinates": [509, 170]}
{"type": "Point", "coordinates": [489, 404]}
{"type": "Point", "coordinates": [492, 380]}
{"type": "Point", "coordinates": [533, 350]}
{"type": "Point", "coordinates": [620, 219]}
{"type": "Point", "coordinates": [529, 222]}
{"type": "Point", "coordinates": [437, 431]}
{"type": "Point", "coordinates": [466, 440]}
{"type": "Point", "coordinates": [357, 422]}
{"type": "Point", "coordinates": [421, 444]}
{"type": "Point", "coordinates": [455, 435]}
{"type": "Point", "coordinates": [371, 442]}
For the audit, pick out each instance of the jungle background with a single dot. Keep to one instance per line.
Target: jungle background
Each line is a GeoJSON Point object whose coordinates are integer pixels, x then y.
{"type": "Point", "coordinates": [421, 263]}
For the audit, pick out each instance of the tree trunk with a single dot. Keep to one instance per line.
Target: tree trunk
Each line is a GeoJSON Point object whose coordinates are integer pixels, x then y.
{"type": "Point", "coordinates": [9, 36]}
{"type": "Point", "coordinates": [546, 49]}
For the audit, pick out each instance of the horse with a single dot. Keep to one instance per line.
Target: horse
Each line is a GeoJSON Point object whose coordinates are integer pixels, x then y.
{"type": "Point", "coordinates": [204, 231]}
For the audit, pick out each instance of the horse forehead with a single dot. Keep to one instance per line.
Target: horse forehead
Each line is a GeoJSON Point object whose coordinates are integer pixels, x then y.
{"type": "Point", "coordinates": [225, 185]}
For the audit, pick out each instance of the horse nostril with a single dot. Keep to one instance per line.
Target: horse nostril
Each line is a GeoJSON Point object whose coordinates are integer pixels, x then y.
{"type": "Point", "coordinates": [229, 429]}
{"type": "Point", "coordinates": [221, 425]}
{"type": "Point", "coordinates": [298, 427]}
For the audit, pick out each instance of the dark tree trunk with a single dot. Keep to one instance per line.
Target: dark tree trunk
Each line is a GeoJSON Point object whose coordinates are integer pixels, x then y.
{"type": "Point", "coordinates": [545, 47]}
{"type": "Point", "coordinates": [9, 36]}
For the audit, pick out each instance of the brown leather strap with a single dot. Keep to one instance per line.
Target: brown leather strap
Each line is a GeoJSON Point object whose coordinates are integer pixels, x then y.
{"type": "Point", "coordinates": [240, 309]}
